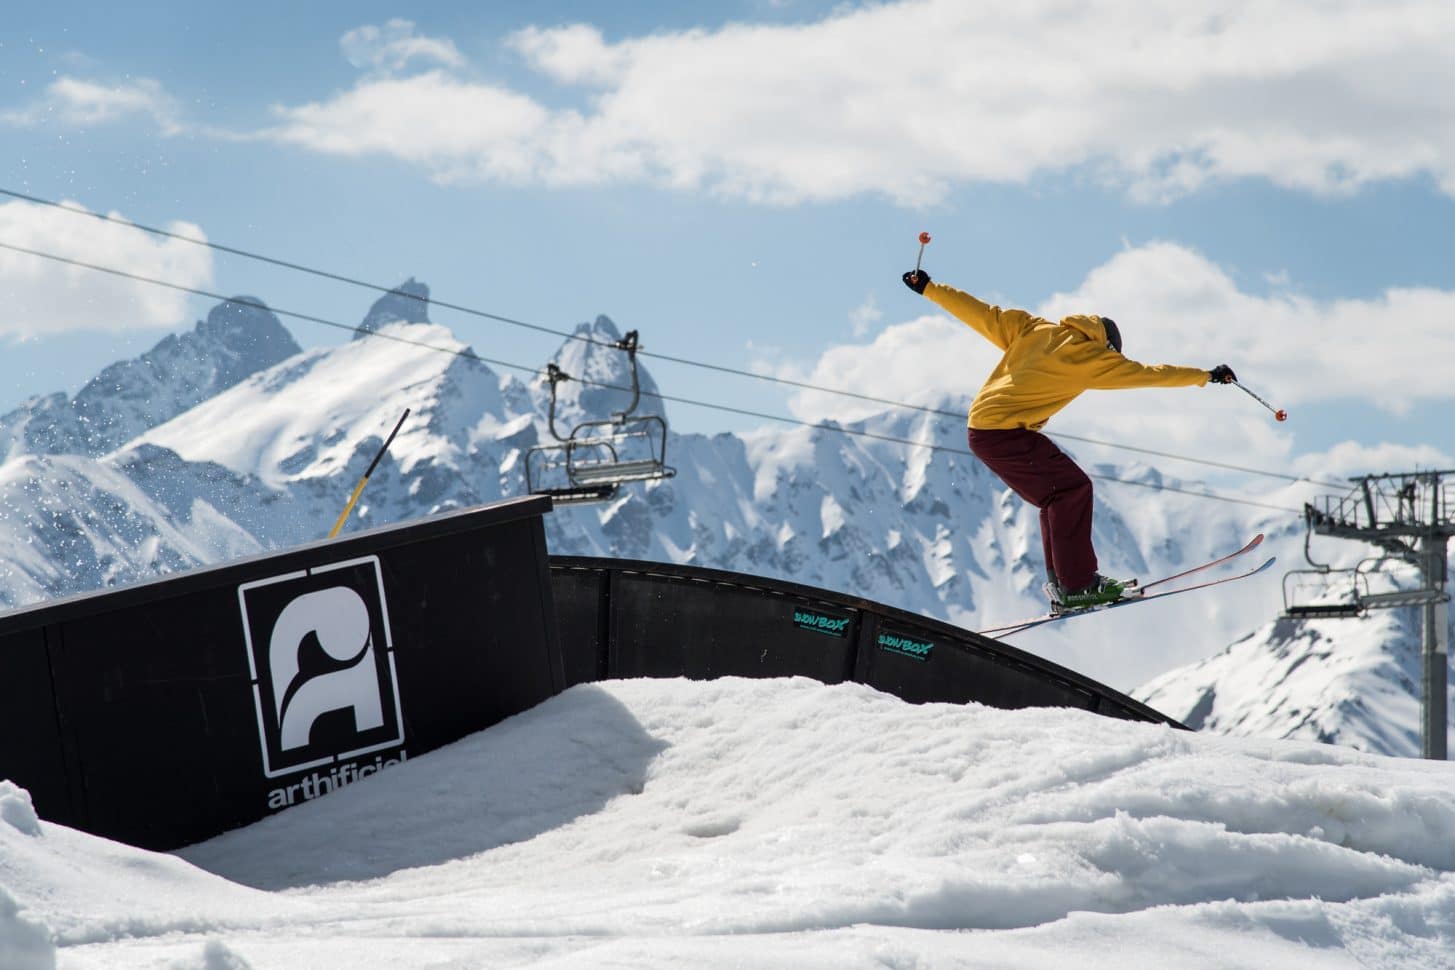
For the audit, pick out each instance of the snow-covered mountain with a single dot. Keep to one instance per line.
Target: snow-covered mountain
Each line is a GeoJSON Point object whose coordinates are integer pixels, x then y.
{"type": "Point", "coordinates": [71, 524]}
{"type": "Point", "coordinates": [239, 338]}
{"type": "Point", "coordinates": [1350, 681]}
{"type": "Point", "coordinates": [231, 439]}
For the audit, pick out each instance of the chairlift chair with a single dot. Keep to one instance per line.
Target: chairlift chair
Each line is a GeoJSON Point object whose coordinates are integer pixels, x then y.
{"type": "Point", "coordinates": [598, 457]}
{"type": "Point", "coordinates": [1349, 607]}
{"type": "Point", "coordinates": [1344, 608]}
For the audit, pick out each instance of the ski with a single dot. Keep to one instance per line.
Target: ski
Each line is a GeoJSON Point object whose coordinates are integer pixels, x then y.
{"type": "Point", "coordinates": [1142, 593]}
{"type": "Point", "coordinates": [1021, 627]}
{"type": "Point", "coordinates": [1253, 543]}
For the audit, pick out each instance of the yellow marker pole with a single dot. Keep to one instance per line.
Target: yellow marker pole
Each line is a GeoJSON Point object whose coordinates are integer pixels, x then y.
{"type": "Point", "coordinates": [359, 488]}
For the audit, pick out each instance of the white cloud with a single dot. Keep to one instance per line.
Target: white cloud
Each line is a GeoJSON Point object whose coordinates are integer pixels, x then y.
{"type": "Point", "coordinates": [576, 54]}
{"type": "Point", "coordinates": [1173, 305]}
{"type": "Point", "coordinates": [1353, 458]}
{"type": "Point", "coordinates": [918, 362]}
{"type": "Point", "coordinates": [394, 45]}
{"type": "Point", "coordinates": [458, 130]}
{"type": "Point", "coordinates": [907, 99]}
{"type": "Point", "coordinates": [73, 101]}
{"type": "Point", "coordinates": [43, 297]}
{"type": "Point", "coordinates": [863, 317]}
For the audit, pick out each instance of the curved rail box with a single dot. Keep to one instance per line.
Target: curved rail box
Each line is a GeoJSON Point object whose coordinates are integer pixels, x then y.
{"type": "Point", "coordinates": [623, 618]}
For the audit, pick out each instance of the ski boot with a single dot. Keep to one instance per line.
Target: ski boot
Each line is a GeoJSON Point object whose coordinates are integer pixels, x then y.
{"type": "Point", "coordinates": [1102, 590]}
{"type": "Point", "coordinates": [1052, 589]}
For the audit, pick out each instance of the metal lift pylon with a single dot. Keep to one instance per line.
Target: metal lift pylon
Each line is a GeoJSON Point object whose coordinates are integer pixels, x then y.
{"type": "Point", "coordinates": [1410, 516]}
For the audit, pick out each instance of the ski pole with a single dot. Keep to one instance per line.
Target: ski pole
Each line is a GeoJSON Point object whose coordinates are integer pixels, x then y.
{"type": "Point", "coordinates": [359, 488]}
{"type": "Point", "coordinates": [924, 240]}
{"type": "Point", "coordinates": [1278, 413]}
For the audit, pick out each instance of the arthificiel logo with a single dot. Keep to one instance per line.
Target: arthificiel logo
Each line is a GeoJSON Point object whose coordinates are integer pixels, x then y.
{"type": "Point", "coordinates": [834, 626]}
{"type": "Point", "coordinates": [907, 646]}
{"type": "Point", "coordinates": [322, 664]}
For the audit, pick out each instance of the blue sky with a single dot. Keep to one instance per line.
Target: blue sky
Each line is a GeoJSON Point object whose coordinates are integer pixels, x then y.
{"type": "Point", "coordinates": [1267, 188]}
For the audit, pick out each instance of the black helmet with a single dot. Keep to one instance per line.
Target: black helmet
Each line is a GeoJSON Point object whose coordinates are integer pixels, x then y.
{"type": "Point", "coordinates": [1113, 334]}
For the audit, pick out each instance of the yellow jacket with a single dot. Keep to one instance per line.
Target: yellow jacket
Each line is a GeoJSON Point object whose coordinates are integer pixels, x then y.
{"type": "Point", "coordinates": [1046, 365]}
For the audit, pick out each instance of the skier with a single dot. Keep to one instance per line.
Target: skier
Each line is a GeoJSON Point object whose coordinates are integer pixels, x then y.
{"type": "Point", "coordinates": [1046, 365]}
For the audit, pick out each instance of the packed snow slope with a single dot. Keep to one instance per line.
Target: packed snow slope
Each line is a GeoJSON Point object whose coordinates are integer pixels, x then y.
{"type": "Point", "coordinates": [660, 823]}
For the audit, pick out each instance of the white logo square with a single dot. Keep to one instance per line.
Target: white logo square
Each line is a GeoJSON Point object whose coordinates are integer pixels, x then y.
{"type": "Point", "coordinates": [321, 659]}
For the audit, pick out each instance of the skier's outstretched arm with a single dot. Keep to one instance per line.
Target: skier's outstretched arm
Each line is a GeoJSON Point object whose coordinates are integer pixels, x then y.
{"type": "Point", "coordinates": [998, 326]}
{"type": "Point", "coordinates": [1112, 371]}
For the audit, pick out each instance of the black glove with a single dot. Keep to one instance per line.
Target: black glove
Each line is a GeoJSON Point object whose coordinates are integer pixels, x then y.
{"type": "Point", "coordinates": [1221, 374]}
{"type": "Point", "coordinates": [916, 279]}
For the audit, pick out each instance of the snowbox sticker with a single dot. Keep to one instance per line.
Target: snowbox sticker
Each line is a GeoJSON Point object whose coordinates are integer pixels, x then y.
{"type": "Point", "coordinates": [834, 626]}
{"type": "Point", "coordinates": [321, 659]}
{"type": "Point", "coordinates": [905, 646]}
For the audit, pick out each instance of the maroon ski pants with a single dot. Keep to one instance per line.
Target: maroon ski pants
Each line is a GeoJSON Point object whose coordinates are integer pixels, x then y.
{"type": "Point", "coordinates": [1043, 475]}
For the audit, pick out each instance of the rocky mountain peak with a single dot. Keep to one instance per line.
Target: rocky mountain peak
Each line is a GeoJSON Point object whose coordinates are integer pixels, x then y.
{"type": "Point", "coordinates": [238, 338]}
{"type": "Point", "coordinates": [601, 376]}
{"type": "Point", "coordinates": [243, 337]}
{"type": "Point", "coordinates": [603, 327]}
{"type": "Point", "coordinates": [407, 303]}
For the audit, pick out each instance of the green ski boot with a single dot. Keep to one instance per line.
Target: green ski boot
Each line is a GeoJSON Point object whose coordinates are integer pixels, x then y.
{"type": "Point", "coordinates": [1103, 590]}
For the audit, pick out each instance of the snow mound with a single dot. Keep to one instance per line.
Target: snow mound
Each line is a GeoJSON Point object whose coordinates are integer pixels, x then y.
{"type": "Point", "coordinates": [785, 823]}
{"type": "Point", "coordinates": [24, 945]}
{"type": "Point", "coordinates": [88, 890]}
{"type": "Point", "coordinates": [16, 809]}
{"type": "Point", "coordinates": [215, 955]}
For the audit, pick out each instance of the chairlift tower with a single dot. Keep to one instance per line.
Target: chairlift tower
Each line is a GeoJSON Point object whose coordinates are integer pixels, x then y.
{"type": "Point", "coordinates": [1410, 517]}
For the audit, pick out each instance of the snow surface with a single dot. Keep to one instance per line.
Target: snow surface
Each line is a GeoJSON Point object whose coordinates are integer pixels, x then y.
{"type": "Point", "coordinates": [782, 823]}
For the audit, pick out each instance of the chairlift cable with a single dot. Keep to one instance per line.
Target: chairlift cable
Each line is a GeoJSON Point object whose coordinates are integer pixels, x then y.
{"type": "Point", "coordinates": [685, 361]}
{"type": "Point", "coordinates": [469, 353]}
